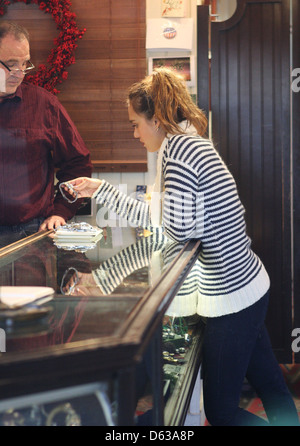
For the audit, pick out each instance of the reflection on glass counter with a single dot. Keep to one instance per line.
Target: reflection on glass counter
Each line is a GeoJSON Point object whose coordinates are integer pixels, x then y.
{"type": "Point", "coordinates": [100, 305]}
{"type": "Point", "coordinates": [115, 257]}
{"type": "Point", "coordinates": [182, 335]}
{"type": "Point", "coordinates": [85, 291]}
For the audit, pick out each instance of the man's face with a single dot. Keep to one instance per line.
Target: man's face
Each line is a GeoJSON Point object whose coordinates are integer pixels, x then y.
{"type": "Point", "coordinates": [15, 54]}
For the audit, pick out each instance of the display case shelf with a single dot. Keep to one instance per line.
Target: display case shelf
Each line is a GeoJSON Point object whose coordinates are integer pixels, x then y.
{"type": "Point", "coordinates": [94, 335]}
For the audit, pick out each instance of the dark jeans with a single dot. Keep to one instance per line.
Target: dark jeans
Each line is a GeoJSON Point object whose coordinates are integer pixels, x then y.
{"type": "Point", "coordinates": [238, 346]}
{"type": "Point", "coordinates": [11, 234]}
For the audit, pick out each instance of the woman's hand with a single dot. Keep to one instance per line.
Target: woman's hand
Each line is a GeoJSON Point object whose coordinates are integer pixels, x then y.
{"type": "Point", "coordinates": [82, 284]}
{"type": "Point", "coordinates": [84, 186]}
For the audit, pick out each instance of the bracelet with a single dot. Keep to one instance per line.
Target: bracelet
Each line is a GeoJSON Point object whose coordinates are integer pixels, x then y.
{"type": "Point", "coordinates": [72, 287]}
{"type": "Point", "coordinates": [69, 186]}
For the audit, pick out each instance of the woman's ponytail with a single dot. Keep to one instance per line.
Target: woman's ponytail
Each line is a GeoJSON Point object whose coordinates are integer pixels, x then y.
{"type": "Point", "coordinates": [163, 94]}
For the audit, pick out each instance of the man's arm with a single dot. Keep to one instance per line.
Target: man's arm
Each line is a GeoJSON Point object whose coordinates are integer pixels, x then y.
{"type": "Point", "coordinates": [71, 160]}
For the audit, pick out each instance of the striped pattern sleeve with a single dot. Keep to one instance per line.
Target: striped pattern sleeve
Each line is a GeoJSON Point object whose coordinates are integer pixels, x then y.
{"type": "Point", "coordinates": [135, 211]}
{"type": "Point", "coordinates": [113, 271]}
{"type": "Point", "coordinates": [183, 207]}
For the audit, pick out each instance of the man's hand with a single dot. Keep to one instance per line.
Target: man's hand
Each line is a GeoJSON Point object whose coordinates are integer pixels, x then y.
{"type": "Point", "coordinates": [53, 222]}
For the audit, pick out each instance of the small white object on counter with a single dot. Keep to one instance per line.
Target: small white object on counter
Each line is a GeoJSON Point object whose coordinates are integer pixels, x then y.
{"type": "Point", "coordinates": [17, 296]}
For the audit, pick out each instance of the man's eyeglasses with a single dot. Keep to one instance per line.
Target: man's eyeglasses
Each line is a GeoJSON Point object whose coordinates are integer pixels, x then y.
{"type": "Point", "coordinates": [26, 70]}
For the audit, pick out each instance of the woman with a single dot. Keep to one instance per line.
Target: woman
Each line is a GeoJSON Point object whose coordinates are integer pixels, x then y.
{"type": "Point", "coordinates": [199, 200]}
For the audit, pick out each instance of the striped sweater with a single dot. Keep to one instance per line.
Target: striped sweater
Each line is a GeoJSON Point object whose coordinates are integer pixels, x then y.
{"type": "Point", "coordinates": [155, 253]}
{"type": "Point", "coordinates": [200, 200]}
{"type": "Point", "coordinates": [111, 273]}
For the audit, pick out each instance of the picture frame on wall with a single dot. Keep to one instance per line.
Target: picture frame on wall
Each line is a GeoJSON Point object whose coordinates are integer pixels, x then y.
{"type": "Point", "coordinates": [174, 8]}
{"type": "Point", "coordinates": [170, 34]}
{"type": "Point", "coordinates": [184, 65]}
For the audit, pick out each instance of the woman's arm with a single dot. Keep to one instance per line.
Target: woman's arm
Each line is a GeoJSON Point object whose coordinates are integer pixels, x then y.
{"type": "Point", "coordinates": [135, 211]}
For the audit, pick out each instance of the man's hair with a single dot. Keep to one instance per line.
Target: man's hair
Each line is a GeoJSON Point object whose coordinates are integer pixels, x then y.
{"type": "Point", "coordinates": [12, 28]}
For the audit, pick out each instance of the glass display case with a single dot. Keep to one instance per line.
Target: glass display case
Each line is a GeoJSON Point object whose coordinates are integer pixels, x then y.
{"type": "Point", "coordinates": [82, 355]}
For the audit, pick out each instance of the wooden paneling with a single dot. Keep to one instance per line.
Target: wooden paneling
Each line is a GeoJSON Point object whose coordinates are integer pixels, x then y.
{"type": "Point", "coordinates": [296, 165]}
{"type": "Point", "coordinates": [250, 95]}
{"type": "Point", "coordinates": [109, 58]}
{"type": "Point", "coordinates": [203, 77]}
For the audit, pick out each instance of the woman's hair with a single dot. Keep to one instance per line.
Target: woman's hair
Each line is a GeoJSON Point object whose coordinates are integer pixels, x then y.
{"type": "Point", "coordinates": [163, 94]}
{"type": "Point", "coordinates": [11, 28]}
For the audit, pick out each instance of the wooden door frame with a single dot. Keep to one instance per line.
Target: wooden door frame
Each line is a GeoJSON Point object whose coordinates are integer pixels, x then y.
{"type": "Point", "coordinates": [280, 313]}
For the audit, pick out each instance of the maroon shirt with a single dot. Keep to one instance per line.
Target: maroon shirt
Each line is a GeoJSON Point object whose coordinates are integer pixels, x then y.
{"type": "Point", "coordinates": [37, 137]}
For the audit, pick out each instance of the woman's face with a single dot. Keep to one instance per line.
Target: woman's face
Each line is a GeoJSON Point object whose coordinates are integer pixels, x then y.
{"type": "Point", "coordinates": [148, 131]}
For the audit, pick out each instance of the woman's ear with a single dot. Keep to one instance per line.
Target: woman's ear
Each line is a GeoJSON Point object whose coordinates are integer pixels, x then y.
{"type": "Point", "coordinates": [156, 122]}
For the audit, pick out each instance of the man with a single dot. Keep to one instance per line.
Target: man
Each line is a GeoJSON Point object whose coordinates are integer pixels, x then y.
{"type": "Point", "coordinates": [37, 139]}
